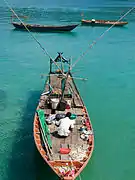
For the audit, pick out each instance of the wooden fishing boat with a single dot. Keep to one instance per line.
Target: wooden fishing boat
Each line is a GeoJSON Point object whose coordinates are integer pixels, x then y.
{"type": "Point", "coordinates": [67, 156]}
{"type": "Point", "coordinates": [44, 28]}
{"type": "Point", "coordinates": [94, 22]}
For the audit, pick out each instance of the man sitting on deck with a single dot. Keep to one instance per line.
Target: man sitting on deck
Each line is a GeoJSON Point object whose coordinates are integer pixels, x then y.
{"type": "Point", "coordinates": [64, 125]}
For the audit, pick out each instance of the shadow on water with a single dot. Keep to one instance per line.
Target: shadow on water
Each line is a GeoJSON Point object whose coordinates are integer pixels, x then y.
{"type": "Point", "coordinates": [25, 162]}
{"type": "Point", "coordinates": [70, 33]}
{"type": "Point", "coordinates": [3, 100]}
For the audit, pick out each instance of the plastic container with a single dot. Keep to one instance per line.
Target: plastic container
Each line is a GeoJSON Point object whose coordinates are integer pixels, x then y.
{"type": "Point", "coordinates": [65, 150]}
{"type": "Point", "coordinates": [67, 106]}
{"type": "Point", "coordinates": [54, 103]}
{"type": "Point", "coordinates": [73, 116]}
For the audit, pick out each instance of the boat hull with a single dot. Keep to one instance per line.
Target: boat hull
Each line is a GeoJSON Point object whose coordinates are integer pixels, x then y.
{"type": "Point", "coordinates": [102, 23]}
{"type": "Point", "coordinates": [45, 28]}
{"type": "Point", "coordinates": [62, 128]}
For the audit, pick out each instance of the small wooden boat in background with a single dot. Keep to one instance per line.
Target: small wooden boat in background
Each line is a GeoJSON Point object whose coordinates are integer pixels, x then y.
{"type": "Point", "coordinates": [44, 28]}
{"type": "Point", "coordinates": [67, 156]}
{"type": "Point", "coordinates": [94, 22]}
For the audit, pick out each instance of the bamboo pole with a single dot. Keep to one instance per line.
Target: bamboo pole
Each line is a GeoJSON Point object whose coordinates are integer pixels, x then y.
{"type": "Point", "coordinates": [46, 146]}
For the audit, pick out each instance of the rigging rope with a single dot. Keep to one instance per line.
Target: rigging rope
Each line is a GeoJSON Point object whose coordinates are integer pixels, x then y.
{"type": "Point", "coordinates": [44, 50]}
{"type": "Point", "coordinates": [94, 42]}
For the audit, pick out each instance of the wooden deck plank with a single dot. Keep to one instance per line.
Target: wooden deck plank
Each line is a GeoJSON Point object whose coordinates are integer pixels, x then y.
{"type": "Point", "coordinates": [47, 111]}
{"type": "Point", "coordinates": [74, 137]}
{"type": "Point", "coordinates": [64, 157]}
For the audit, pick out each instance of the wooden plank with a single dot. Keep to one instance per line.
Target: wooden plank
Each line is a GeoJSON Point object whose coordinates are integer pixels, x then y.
{"type": "Point", "coordinates": [56, 145]}
{"type": "Point", "coordinates": [56, 156]}
{"type": "Point", "coordinates": [77, 100]}
{"type": "Point", "coordinates": [74, 137]}
{"type": "Point", "coordinates": [77, 111]}
{"type": "Point", "coordinates": [47, 111]}
{"type": "Point", "coordinates": [64, 157]}
{"type": "Point", "coordinates": [68, 139]}
{"type": "Point", "coordinates": [55, 82]}
{"type": "Point", "coordinates": [64, 145]}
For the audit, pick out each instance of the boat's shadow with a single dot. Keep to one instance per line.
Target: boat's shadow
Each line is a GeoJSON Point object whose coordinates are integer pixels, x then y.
{"type": "Point", "coordinates": [70, 33]}
{"type": "Point", "coordinates": [25, 162]}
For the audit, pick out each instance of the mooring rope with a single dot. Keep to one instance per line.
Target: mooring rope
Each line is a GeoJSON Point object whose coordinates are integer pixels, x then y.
{"type": "Point", "coordinates": [94, 42]}
{"type": "Point", "coordinates": [40, 45]}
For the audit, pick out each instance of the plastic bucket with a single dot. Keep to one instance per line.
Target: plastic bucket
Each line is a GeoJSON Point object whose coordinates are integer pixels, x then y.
{"type": "Point", "coordinates": [54, 103]}
{"type": "Point", "coordinates": [73, 116]}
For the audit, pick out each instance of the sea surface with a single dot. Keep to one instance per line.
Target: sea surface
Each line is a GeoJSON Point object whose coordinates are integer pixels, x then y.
{"type": "Point", "coordinates": [109, 92]}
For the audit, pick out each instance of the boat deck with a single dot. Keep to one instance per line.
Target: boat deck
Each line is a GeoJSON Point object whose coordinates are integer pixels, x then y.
{"type": "Point", "coordinates": [73, 141]}
{"type": "Point", "coordinates": [103, 22]}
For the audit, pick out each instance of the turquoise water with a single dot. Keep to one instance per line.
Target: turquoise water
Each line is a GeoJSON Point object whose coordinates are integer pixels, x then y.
{"type": "Point", "coordinates": [109, 92]}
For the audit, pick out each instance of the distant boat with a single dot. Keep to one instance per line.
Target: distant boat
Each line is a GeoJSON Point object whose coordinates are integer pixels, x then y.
{"type": "Point", "coordinates": [67, 156]}
{"type": "Point", "coordinates": [94, 22]}
{"type": "Point", "coordinates": [45, 28]}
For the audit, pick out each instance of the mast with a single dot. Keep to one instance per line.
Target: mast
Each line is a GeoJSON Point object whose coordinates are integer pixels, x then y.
{"type": "Point", "coordinates": [50, 71]}
{"type": "Point", "coordinates": [65, 81]}
{"type": "Point", "coordinates": [61, 60]}
{"type": "Point", "coordinates": [50, 66]}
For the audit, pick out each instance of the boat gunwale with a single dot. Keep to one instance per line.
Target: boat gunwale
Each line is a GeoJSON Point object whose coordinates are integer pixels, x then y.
{"type": "Point", "coordinates": [38, 25]}
{"type": "Point", "coordinates": [104, 22]}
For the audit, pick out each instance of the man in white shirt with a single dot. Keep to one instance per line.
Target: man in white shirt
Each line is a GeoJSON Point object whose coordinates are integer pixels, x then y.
{"type": "Point", "coordinates": [64, 125]}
